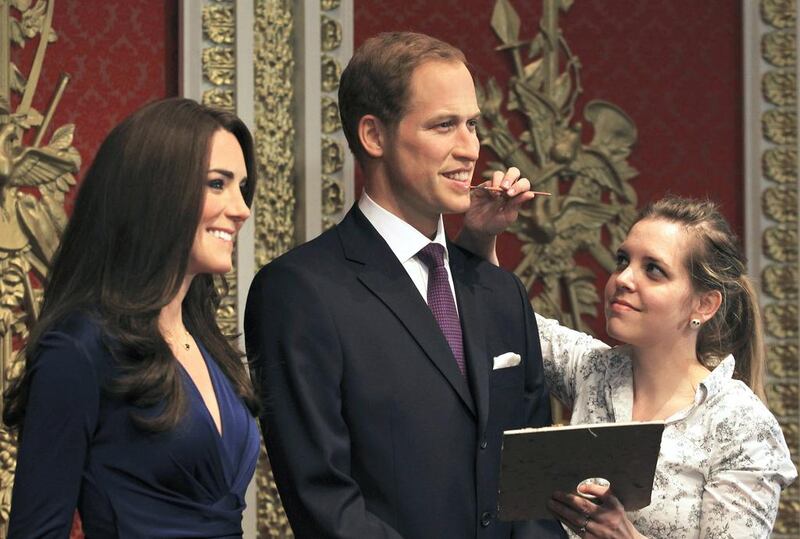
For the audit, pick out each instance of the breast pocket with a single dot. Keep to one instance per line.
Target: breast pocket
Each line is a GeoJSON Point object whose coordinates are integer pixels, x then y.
{"type": "Point", "coordinates": [508, 377]}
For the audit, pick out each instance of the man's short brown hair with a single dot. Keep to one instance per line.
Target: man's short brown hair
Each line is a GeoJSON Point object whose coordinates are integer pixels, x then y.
{"type": "Point", "coordinates": [377, 77]}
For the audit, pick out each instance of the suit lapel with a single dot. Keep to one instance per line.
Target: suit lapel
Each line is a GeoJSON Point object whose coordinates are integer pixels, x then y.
{"type": "Point", "coordinates": [385, 277]}
{"type": "Point", "coordinates": [473, 328]}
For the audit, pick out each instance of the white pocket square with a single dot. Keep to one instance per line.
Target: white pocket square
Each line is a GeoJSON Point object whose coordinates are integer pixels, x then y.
{"type": "Point", "coordinates": [509, 359]}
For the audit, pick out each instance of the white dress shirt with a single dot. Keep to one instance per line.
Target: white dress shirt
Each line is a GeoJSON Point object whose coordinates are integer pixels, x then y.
{"type": "Point", "coordinates": [405, 241]}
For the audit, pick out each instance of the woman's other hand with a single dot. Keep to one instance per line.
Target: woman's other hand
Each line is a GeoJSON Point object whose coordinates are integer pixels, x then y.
{"type": "Point", "coordinates": [602, 518]}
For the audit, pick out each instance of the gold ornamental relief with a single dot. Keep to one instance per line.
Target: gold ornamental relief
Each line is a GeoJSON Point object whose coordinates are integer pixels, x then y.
{"type": "Point", "coordinates": [780, 165]}
{"type": "Point", "coordinates": [219, 23]}
{"type": "Point", "coordinates": [791, 432]}
{"type": "Point", "coordinates": [779, 87]}
{"type": "Point", "coordinates": [328, 5]}
{"type": "Point", "coordinates": [782, 361]}
{"type": "Point", "coordinates": [333, 195]}
{"type": "Point", "coordinates": [780, 320]}
{"type": "Point", "coordinates": [780, 243]}
{"type": "Point", "coordinates": [778, 13]}
{"type": "Point", "coordinates": [332, 156]}
{"type": "Point", "coordinates": [331, 32]}
{"type": "Point", "coordinates": [219, 65]}
{"type": "Point", "coordinates": [593, 200]}
{"type": "Point", "coordinates": [780, 281]}
{"type": "Point", "coordinates": [780, 203]}
{"type": "Point", "coordinates": [782, 398]}
{"type": "Point", "coordinates": [778, 48]}
{"type": "Point", "coordinates": [37, 167]}
{"type": "Point", "coordinates": [220, 98]}
{"type": "Point", "coordinates": [789, 505]}
{"type": "Point", "coordinates": [780, 126]}
{"type": "Point", "coordinates": [331, 73]}
{"type": "Point", "coordinates": [331, 121]}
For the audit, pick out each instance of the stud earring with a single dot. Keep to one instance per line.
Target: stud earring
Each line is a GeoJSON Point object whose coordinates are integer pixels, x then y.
{"type": "Point", "coordinates": [695, 323]}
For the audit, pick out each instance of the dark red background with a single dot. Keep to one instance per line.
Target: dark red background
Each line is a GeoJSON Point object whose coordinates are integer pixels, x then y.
{"type": "Point", "coordinates": [674, 66]}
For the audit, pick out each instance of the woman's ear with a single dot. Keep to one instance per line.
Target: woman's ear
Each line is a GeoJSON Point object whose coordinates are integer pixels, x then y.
{"type": "Point", "coordinates": [372, 134]}
{"type": "Point", "coordinates": [707, 305]}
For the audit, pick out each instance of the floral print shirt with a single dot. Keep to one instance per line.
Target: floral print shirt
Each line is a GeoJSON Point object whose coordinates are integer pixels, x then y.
{"type": "Point", "coordinates": [723, 459]}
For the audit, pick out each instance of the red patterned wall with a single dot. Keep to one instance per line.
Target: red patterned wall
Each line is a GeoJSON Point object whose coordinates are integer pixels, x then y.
{"type": "Point", "coordinates": [673, 65]}
{"type": "Point", "coordinates": [120, 55]}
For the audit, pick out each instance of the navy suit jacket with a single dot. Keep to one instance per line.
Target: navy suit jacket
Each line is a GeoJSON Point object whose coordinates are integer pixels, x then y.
{"type": "Point", "coordinates": [372, 431]}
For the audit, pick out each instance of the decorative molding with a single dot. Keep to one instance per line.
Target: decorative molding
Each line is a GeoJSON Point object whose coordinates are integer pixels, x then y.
{"type": "Point", "coordinates": [771, 118]}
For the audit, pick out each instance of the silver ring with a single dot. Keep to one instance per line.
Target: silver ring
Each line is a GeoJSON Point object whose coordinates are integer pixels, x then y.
{"type": "Point", "coordinates": [582, 531]}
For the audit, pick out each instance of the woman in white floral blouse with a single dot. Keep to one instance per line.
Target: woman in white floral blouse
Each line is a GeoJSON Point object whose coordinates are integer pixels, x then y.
{"type": "Point", "coordinates": [693, 356]}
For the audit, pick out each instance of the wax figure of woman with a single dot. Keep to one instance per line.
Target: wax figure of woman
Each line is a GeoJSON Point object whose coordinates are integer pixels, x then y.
{"type": "Point", "coordinates": [683, 305]}
{"type": "Point", "coordinates": [133, 407]}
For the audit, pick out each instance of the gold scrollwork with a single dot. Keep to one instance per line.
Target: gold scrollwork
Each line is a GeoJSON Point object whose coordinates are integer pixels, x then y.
{"type": "Point", "coordinates": [780, 243]}
{"type": "Point", "coordinates": [331, 73]}
{"type": "Point", "coordinates": [779, 281]}
{"type": "Point", "coordinates": [780, 126]}
{"type": "Point", "coordinates": [328, 5]}
{"type": "Point", "coordinates": [780, 320]}
{"type": "Point", "coordinates": [332, 156]}
{"type": "Point", "coordinates": [331, 32]}
{"type": "Point", "coordinates": [331, 121]}
{"type": "Point", "coordinates": [790, 527]}
{"type": "Point", "coordinates": [219, 23]}
{"type": "Point", "coordinates": [780, 164]}
{"type": "Point", "coordinates": [780, 203]}
{"type": "Point", "coordinates": [779, 87]}
{"type": "Point", "coordinates": [791, 431]}
{"type": "Point", "coordinates": [219, 65]}
{"type": "Point", "coordinates": [782, 398]}
{"type": "Point", "coordinates": [778, 13]}
{"type": "Point", "coordinates": [778, 48]}
{"type": "Point", "coordinates": [782, 361]}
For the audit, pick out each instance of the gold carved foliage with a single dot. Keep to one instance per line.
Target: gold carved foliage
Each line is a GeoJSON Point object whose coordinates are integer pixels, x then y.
{"type": "Point", "coordinates": [782, 361]}
{"type": "Point", "coordinates": [780, 126]}
{"type": "Point", "coordinates": [331, 121]}
{"type": "Point", "coordinates": [331, 73]}
{"type": "Point", "coordinates": [333, 195]}
{"type": "Point", "coordinates": [780, 320]}
{"type": "Point", "coordinates": [331, 32]}
{"type": "Point", "coordinates": [219, 23]}
{"type": "Point", "coordinates": [780, 243]}
{"type": "Point", "coordinates": [780, 164]}
{"type": "Point", "coordinates": [778, 13]}
{"type": "Point", "coordinates": [778, 48]}
{"type": "Point", "coordinates": [789, 505]}
{"type": "Point", "coordinates": [779, 87]}
{"type": "Point", "coordinates": [780, 203]}
{"type": "Point", "coordinates": [780, 281]}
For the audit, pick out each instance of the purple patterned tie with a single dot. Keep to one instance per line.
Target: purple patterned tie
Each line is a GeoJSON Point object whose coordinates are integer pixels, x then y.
{"type": "Point", "coordinates": [440, 300]}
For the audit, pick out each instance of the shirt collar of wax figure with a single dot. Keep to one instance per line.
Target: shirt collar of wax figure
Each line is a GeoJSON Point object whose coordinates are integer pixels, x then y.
{"type": "Point", "coordinates": [404, 240]}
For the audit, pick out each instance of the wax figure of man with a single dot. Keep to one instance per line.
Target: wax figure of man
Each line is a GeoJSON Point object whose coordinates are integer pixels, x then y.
{"type": "Point", "coordinates": [383, 409]}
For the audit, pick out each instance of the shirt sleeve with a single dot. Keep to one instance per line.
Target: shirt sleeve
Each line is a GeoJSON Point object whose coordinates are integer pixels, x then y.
{"type": "Point", "coordinates": [564, 351]}
{"type": "Point", "coordinates": [60, 417]}
{"type": "Point", "coordinates": [752, 465]}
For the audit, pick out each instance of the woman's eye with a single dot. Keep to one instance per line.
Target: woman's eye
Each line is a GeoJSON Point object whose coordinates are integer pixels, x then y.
{"type": "Point", "coordinates": [216, 184]}
{"type": "Point", "coordinates": [244, 187]}
{"type": "Point", "coordinates": [654, 269]}
{"type": "Point", "coordinates": [622, 261]}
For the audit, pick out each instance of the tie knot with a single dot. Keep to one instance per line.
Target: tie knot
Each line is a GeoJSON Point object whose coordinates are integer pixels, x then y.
{"type": "Point", "coordinates": [432, 255]}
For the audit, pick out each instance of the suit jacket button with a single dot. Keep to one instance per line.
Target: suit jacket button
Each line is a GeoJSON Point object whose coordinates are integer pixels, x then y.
{"type": "Point", "coordinates": [484, 444]}
{"type": "Point", "coordinates": [486, 519]}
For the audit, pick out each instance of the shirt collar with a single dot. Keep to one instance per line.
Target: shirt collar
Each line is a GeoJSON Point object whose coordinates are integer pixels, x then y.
{"type": "Point", "coordinates": [715, 381]}
{"type": "Point", "coordinates": [404, 240]}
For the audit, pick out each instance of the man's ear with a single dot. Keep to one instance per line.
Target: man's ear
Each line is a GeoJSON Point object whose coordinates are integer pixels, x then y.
{"type": "Point", "coordinates": [707, 305]}
{"type": "Point", "coordinates": [372, 134]}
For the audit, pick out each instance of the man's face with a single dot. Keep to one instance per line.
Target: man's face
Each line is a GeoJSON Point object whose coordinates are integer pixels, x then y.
{"type": "Point", "coordinates": [431, 152]}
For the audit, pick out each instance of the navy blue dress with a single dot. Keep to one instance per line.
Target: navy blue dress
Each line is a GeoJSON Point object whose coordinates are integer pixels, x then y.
{"type": "Point", "coordinates": [79, 449]}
